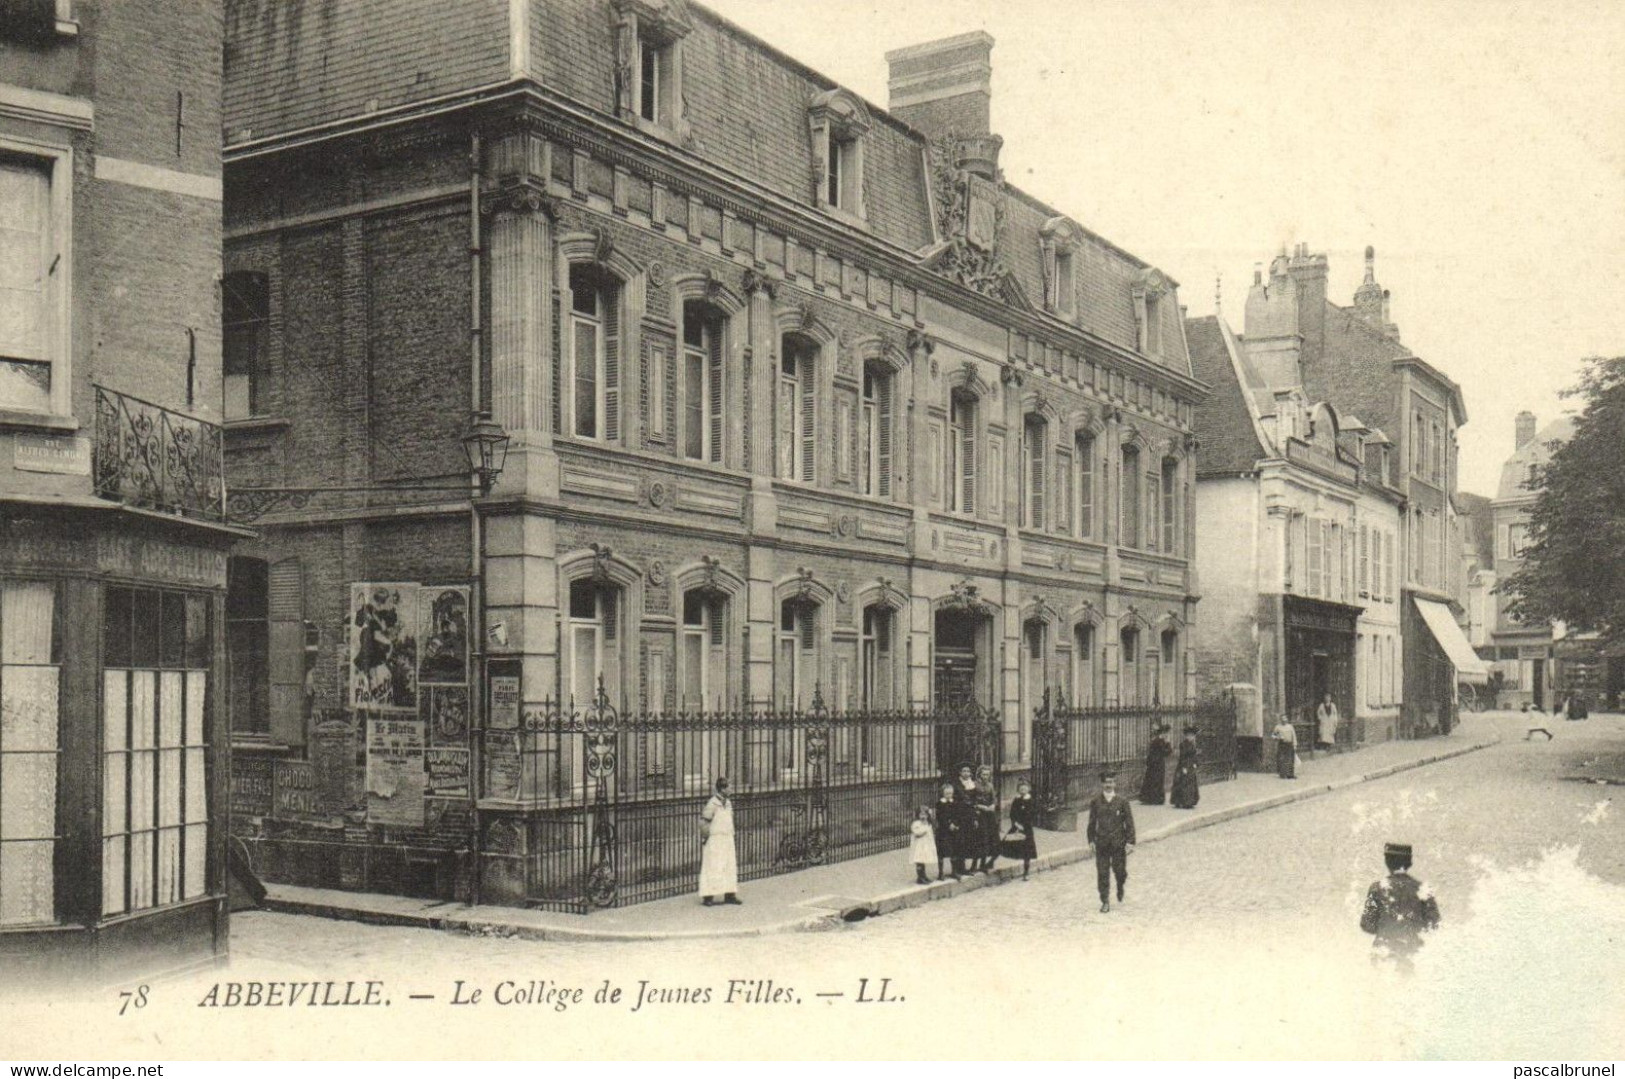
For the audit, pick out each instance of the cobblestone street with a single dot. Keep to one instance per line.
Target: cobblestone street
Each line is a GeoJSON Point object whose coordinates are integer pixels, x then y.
{"type": "Point", "coordinates": [1239, 939]}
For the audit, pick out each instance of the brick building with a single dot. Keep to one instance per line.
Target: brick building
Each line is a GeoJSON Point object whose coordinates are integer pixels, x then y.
{"type": "Point", "coordinates": [112, 536]}
{"type": "Point", "coordinates": [1363, 558]}
{"type": "Point", "coordinates": [809, 408]}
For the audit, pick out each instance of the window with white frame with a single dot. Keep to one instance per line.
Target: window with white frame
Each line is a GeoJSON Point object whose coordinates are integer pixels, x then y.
{"type": "Point", "coordinates": [593, 386]}
{"type": "Point", "coordinates": [875, 432]}
{"type": "Point", "coordinates": [593, 633]}
{"type": "Point", "coordinates": [157, 647]}
{"type": "Point", "coordinates": [1153, 324]}
{"type": "Point", "coordinates": [795, 672]}
{"type": "Point", "coordinates": [33, 356]}
{"type": "Point", "coordinates": [961, 457]}
{"type": "Point", "coordinates": [30, 750]}
{"type": "Point", "coordinates": [1169, 491]}
{"type": "Point", "coordinates": [1083, 463]}
{"type": "Point", "coordinates": [797, 417]}
{"type": "Point", "coordinates": [703, 386]}
{"type": "Point", "coordinates": [649, 75]}
{"type": "Point", "coordinates": [1130, 498]}
{"type": "Point", "coordinates": [1085, 686]}
{"type": "Point", "coordinates": [245, 322]}
{"type": "Point", "coordinates": [1128, 678]}
{"type": "Point", "coordinates": [875, 656]}
{"type": "Point", "coordinates": [1034, 434]}
{"type": "Point", "coordinates": [702, 658]}
{"type": "Point", "coordinates": [1517, 540]}
{"type": "Point", "coordinates": [839, 124]}
{"type": "Point", "coordinates": [1168, 690]}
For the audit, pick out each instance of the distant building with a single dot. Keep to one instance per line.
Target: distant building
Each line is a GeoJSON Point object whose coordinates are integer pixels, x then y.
{"type": "Point", "coordinates": [1542, 663]}
{"type": "Point", "coordinates": [112, 543]}
{"type": "Point", "coordinates": [1333, 455]}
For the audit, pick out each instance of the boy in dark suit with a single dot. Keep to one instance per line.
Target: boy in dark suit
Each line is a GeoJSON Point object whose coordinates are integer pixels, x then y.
{"type": "Point", "coordinates": [1399, 909]}
{"type": "Point", "coordinates": [1111, 837]}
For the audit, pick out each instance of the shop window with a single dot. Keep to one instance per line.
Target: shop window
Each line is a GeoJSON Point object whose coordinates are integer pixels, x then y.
{"type": "Point", "coordinates": [30, 750]}
{"type": "Point", "coordinates": [594, 383]}
{"type": "Point", "coordinates": [703, 401]}
{"type": "Point", "coordinates": [155, 745]}
{"type": "Point", "coordinates": [797, 415]}
{"type": "Point", "coordinates": [245, 308]}
{"type": "Point", "coordinates": [33, 280]}
{"type": "Point", "coordinates": [875, 430]}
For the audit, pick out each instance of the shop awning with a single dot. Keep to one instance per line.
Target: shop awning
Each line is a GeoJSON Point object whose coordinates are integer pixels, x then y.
{"type": "Point", "coordinates": [1469, 668]}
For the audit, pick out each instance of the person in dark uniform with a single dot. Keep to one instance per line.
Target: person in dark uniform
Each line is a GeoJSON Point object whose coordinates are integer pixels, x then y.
{"type": "Point", "coordinates": [1111, 837]}
{"type": "Point", "coordinates": [951, 834]}
{"type": "Point", "coordinates": [1156, 767]}
{"type": "Point", "coordinates": [1398, 910]}
{"type": "Point", "coordinates": [1019, 843]}
{"type": "Point", "coordinates": [986, 800]}
{"type": "Point", "coordinates": [1186, 790]}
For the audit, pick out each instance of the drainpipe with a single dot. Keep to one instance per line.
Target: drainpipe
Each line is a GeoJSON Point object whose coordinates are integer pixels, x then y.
{"type": "Point", "coordinates": [476, 604]}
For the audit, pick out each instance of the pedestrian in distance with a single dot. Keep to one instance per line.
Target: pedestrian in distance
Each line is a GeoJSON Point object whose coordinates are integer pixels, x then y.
{"type": "Point", "coordinates": [1156, 767]}
{"type": "Point", "coordinates": [1111, 838]}
{"type": "Point", "coordinates": [922, 848]}
{"type": "Point", "coordinates": [1187, 789]}
{"type": "Point", "coordinates": [1536, 725]}
{"type": "Point", "coordinates": [986, 800]}
{"type": "Point", "coordinates": [1326, 721]}
{"type": "Point", "coordinates": [1398, 910]}
{"type": "Point", "coordinates": [719, 861]}
{"type": "Point", "coordinates": [1286, 748]}
{"type": "Point", "coordinates": [950, 832]}
{"type": "Point", "coordinates": [1019, 842]}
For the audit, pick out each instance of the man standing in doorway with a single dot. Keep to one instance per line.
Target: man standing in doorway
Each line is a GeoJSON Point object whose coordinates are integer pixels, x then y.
{"type": "Point", "coordinates": [1111, 837]}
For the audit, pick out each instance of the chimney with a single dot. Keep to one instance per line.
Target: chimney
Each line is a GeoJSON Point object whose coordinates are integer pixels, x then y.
{"type": "Point", "coordinates": [1308, 274]}
{"type": "Point", "coordinates": [945, 87]}
{"type": "Point", "coordinates": [1371, 299]}
{"type": "Point", "coordinates": [1524, 430]}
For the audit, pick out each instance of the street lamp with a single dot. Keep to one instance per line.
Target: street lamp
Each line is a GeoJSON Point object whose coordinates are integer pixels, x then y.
{"type": "Point", "coordinates": [486, 446]}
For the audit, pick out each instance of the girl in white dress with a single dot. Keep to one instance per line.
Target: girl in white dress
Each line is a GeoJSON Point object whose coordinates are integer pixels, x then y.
{"type": "Point", "coordinates": [922, 848]}
{"type": "Point", "coordinates": [719, 863]}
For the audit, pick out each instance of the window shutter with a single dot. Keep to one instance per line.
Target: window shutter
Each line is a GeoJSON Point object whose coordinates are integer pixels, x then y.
{"type": "Point", "coordinates": [1063, 491]}
{"type": "Point", "coordinates": [809, 628]}
{"type": "Point", "coordinates": [786, 428]}
{"type": "Point", "coordinates": [286, 652]}
{"type": "Point", "coordinates": [883, 416]}
{"type": "Point", "coordinates": [806, 368]}
{"type": "Point", "coordinates": [1148, 516]}
{"type": "Point", "coordinates": [967, 464]}
{"type": "Point", "coordinates": [612, 365]}
{"type": "Point", "coordinates": [1363, 559]}
{"type": "Point", "coordinates": [717, 631]}
{"type": "Point", "coordinates": [1312, 584]}
{"type": "Point", "coordinates": [715, 375]}
{"type": "Point", "coordinates": [1086, 487]}
{"type": "Point", "coordinates": [558, 364]}
{"type": "Point", "coordinates": [611, 613]}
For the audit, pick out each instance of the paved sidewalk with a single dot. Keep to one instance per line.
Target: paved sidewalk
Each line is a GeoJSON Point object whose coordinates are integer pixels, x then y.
{"type": "Point", "coordinates": [820, 897]}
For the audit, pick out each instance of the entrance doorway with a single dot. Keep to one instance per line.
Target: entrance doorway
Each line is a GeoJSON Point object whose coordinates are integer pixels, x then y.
{"type": "Point", "coordinates": [961, 676]}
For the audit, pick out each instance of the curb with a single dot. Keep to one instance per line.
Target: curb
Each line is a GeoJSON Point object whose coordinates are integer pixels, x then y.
{"type": "Point", "coordinates": [831, 916]}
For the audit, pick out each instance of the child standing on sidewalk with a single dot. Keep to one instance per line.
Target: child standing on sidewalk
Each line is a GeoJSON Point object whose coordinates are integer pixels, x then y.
{"type": "Point", "coordinates": [923, 848]}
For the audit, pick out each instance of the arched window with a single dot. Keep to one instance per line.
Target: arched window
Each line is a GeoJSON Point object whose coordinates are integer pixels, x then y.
{"type": "Point", "coordinates": [795, 671]}
{"type": "Point", "coordinates": [875, 430]}
{"type": "Point", "coordinates": [1083, 464]}
{"type": "Point", "coordinates": [245, 319]}
{"type": "Point", "coordinates": [1129, 663]}
{"type": "Point", "coordinates": [1168, 692]}
{"type": "Point", "coordinates": [876, 652]}
{"type": "Point", "coordinates": [702, 656]}
{"type": "Point", "coordinates": [797, 414]}
{"type": "Point", "coordinates": [1130, 497]}
{"type": "Point", "coordinates": [1033, 433]}
{"type": "Point", "coordinates": [594, 633]}
{"type": "Point", "coordinates": [960, 482]}
{"type": "Point", "coordinates": [593, 385]}
{"type": "Point", "coordinates": [702, 388]}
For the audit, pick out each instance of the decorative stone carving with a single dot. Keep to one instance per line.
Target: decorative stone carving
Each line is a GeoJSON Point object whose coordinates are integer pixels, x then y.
{"type": "Point", "coordinates": [658, 494]}
{"type": "Point", "coordinates": [657, 273]}
{"type": "Point", "coordinates": [805, 587]}
{"type": "Point", "coordinates": [1011, 376]}
{"type": "Point", "coordinates": [843, 592]}
{"type": "Point", "coordinates": [520, 199]}
{"type": "Point", "coordinates": [965, 596]}
{"type": "Point", "coordinates": [602, 556]}
{"type": "Point", "coordinates": [918, 341]}
{"type": "Point", "coordinates": [971, 220]}
{"type": "Point", "coordinates": [752, 281]}
{"type": "Point", "coordinates": [657, 573]}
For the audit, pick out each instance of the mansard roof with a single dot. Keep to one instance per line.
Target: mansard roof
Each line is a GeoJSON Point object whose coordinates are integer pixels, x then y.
{"type": "Point", "coordinates": [1224, 422]}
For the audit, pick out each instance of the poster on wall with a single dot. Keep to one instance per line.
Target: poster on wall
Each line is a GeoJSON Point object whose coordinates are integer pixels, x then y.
{"type": "Point", "coordinates": [383, 667]}
{"type": "Point", "coordinates": [448, 773]}
{"type": "Point", "coordinates": [333, 754]}
{"type": "Point", "coordinates": [443, 632]}
{"type": "Point", "coordinates": [504, 702]}
{"type": "Point", "coordinates": [502, 765]}
{"type": "Point", "coordinates": [395, 771]}
{"type": "Point", "coordinates": [445, 713]}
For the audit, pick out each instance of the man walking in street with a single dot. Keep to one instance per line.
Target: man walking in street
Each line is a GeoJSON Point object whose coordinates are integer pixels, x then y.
{"type": "Point", "coordinates": [1398, 909]}
{"type": "Point", "coordinates": [1111, 837]}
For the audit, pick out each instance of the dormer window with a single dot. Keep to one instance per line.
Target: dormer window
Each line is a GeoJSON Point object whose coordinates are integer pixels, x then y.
{"type": "Point", "coordinates": [649, 63]}
{"type": "Point", "coordinates": [838, 122]}
{"type": "Point", "coordinates": [1150, 292]}
{"type": "Point", "coordinates": [1057, 241]}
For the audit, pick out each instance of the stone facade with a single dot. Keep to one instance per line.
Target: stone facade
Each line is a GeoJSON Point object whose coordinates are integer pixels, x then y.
{"type": "Point", "coordinates": [796, 391]}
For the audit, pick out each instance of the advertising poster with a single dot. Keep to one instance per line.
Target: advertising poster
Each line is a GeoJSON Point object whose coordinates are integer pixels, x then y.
{"type": "Point", "coordinates": [395, 774]}
{"type": "Point", "coordinates": [504, 702]}
{"type": "Point", "coordinates": [445, 713]}
{"type": "Point", "coordinates": [443, 635]}
{"type": "Point", "coordinates": [383, 667]}
{"type": "Point", "coordinates": [502, 764]}
{"type": "Point", "coordinates": [333, 748]}
{"type": "Point", "coordinates": [448, 773]}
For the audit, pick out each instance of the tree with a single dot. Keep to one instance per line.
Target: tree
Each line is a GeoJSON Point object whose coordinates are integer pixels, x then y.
{"type": "Point", "coordinates": [1574, 566]}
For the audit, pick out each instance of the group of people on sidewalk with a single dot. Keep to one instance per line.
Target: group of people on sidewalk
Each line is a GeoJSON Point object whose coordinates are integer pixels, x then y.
{"type": "Point", "coordinates": [1187, 788]}
{"type": "Point", "coordinates": [1285, 736]}
{"type": "Point", "coordinates": [962, 831]}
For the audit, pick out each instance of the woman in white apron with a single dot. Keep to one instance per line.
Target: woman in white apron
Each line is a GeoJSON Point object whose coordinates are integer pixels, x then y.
{"type": "Point", "coordinates": [719, 864]}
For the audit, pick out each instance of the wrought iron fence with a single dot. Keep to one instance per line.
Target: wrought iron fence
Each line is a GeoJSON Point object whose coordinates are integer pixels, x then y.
{"type": "Point", "coordinates": [148, 456]}
{"type": "Point", "coordinates": [588, 807]}
{"type": "Point", "coordinates": [1071, 744]}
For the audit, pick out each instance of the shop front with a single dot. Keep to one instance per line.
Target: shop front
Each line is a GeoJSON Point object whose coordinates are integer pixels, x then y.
{"type": "Point", "coordinates": [112, 800]}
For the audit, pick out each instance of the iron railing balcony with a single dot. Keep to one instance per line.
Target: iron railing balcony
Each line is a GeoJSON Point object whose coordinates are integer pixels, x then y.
{"type": "Point", "coordinates": [154, 458]}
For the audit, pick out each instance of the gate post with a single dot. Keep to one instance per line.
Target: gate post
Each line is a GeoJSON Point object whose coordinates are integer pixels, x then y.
{"type": "Point", "coordinates": [1049, 764]}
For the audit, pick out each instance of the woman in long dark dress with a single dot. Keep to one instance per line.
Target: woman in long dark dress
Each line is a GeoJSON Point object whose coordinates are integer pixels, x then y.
{"type": "Point", "coordinates": [1187, 791]}
{"type": "Point", "coordinates": [1023, 818]}
{"type": "Point", "coordinates": [1156, 767]}
{"type": "Point", "coordinates": [987, 818]}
